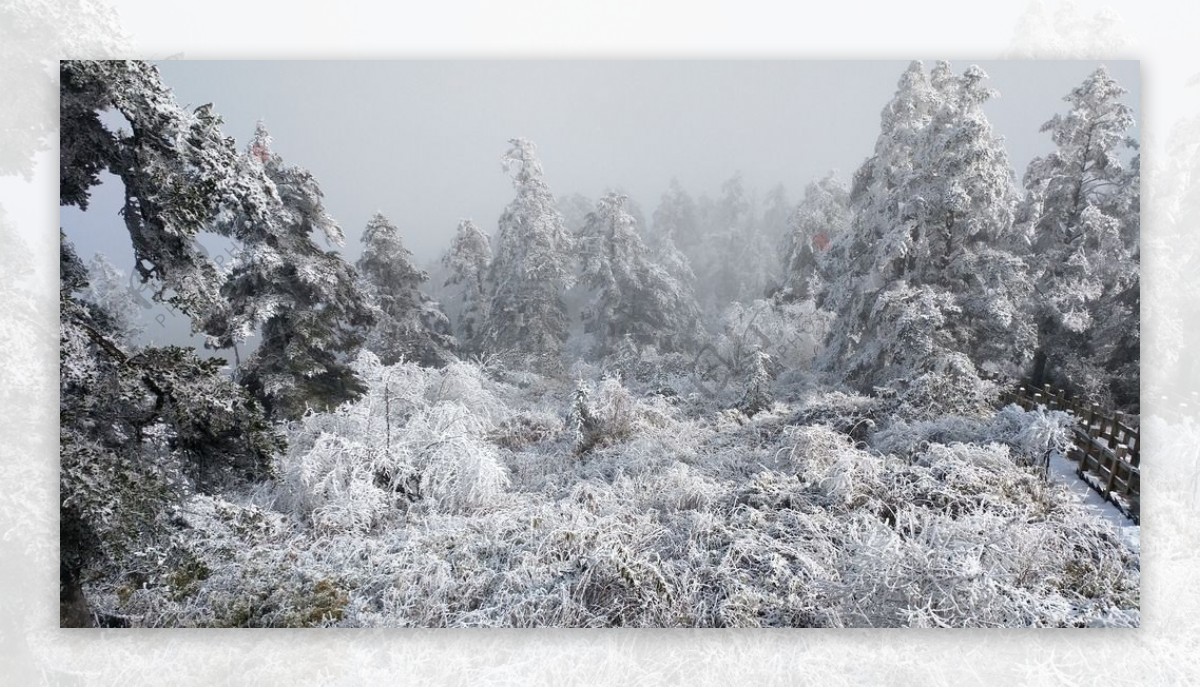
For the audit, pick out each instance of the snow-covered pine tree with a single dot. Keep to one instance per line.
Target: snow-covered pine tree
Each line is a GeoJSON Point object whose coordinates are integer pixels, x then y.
{"type": "Point", "coordinates": [677, 217]}
{"type": "Point", "coordinates": [757, 395]}
{"type": "Point", "coordinates": [409, 325]}
{"type": "Point", "coordinates": [819, 219]}
{"type": "Point", "coordinates": [306, 300]}
{"type": "Point", "coordinates": [138, 430]}
{"type": "Point", "coordinates": [531, 268]}
{"type": "Point", "coordinates": [1117, 339]}
{"type": "Point", "coordinates": [1081, 215]}
{"type": "Point", "coordinates": [108, 288]}
{"type": "Point", "coordinates": [178, 169]}
{"type": "Point", "coordinates": [731, 261]}
{"type": "Point", "coordinates": [932, 229]}
{"type": "Point", "coordinates": [468, 261]}
{"type": "Point", "coordinates": [633, 295]}
{"type": "Point", "coordinates": [675, 225]}
{"type": "Point", "coordinates": [775, 227]}
{"type": "Point", "coordinates": [966, 198]}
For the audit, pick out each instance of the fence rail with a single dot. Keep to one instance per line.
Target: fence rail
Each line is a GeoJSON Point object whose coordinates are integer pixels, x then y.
{"type": "Point", "coordinates": [1107, 446]}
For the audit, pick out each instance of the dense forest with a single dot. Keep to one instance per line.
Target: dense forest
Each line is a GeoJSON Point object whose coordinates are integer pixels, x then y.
{"type": "Point", "coordinates": [736, 410]}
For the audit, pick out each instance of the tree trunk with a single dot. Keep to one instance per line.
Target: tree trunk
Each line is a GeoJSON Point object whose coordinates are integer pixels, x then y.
{"type": "Point", "coordinates": [73, 610]}
{"type": "Point", "coordinates": [1039, 368]}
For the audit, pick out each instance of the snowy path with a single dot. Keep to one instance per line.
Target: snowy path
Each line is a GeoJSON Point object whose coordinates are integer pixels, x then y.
{"type": "Point", "coordinates": [1062, 470]}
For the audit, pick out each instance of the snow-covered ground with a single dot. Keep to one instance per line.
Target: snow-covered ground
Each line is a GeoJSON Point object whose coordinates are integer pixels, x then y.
{"type": "Point", "coordinates": [494, 499]}
{"type": "Point", "coordinates": [1063, 470]}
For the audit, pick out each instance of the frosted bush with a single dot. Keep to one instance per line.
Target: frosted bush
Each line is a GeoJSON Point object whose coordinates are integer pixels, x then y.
{"type": "Point", "coordinates": [333, 483]}
{"type": "Point", "coordinates": [1033, 434]}
{"type": "Point", "coordinates": [852, 414]}
{"type": "Point", "coordinates": [607, 413]}
{"type": "Point", "coordinates": [459, 470]}
{"type": "Point", "coordinates": [953, 389]}
{"type": "Point", "coordinates": [465, 384]}
{"type": "Point", "coordinates": [467, 505]}
{"type": "Point", "coordinates": [1036, 433]}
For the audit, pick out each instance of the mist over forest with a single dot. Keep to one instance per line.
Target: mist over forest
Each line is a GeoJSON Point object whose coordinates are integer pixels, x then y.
{"type": "Point", "coordinates": [696, 396]}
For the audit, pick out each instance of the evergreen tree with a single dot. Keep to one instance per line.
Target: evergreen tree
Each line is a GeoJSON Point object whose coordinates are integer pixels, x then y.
{"type": "Point", "coordinates": [823, 216]}
{"type": "Point", "coordinates": [1081, 215]}
{"type": "Point", "coordinates": [306, 300]}
{"type": "Point", "coordinates": [178, 169]}
{"type": "Point", "coordinates": [676, 225]}
{"type": "Point", "coordinates": [138, 430]}
{"type": "Point", "coordinates": [531, 268]}
{"type": "Point", "coordinates": [757, 395]}
{"type": "Point", "coordinates": [108, 288]}
{"type": "Point", "coordinates": [927, 279]}
{"type": "Point", "coordinates": [633, 296]}
{"type": "Point", "coordinates": [410, 326]}
{"type": "Point", "coordinates": [468, 260]}
{"type": "Point", "coordinates": [677, 217]}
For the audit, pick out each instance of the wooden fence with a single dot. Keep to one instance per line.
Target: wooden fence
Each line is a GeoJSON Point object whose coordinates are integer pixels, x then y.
{"type": "Point", "coordinates": [1107, 446]}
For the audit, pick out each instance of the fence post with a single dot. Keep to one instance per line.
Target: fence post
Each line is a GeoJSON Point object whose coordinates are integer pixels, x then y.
{"type": "Point", "coordinates": [1117, 458]}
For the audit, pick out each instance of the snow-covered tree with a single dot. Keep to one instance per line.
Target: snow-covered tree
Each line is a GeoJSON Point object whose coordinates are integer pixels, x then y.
{"type": "Point", "coordinates": [139, 429]}
{"type": "Point", "coordinates": [409, 325]}
{"type": "Point", "coordinates": [933, 229]}
{"type": "Point", "coordinates": [821, 217]}
{"type": "Point", "coordinates": [757, 395]}
{"type": "Point", "coordinates": [575, 209]}
{"type": "Point", "coordinates": [178, 169]}
{"type": "Point", "coordinates": [468, 261]}
{"type": "Point", "coordinates": [633, 295]}
{"type": "Point", "coordinates": [531, 268]}
{"type": "Point", "coordinates": [306, 300]}
{"type": "Point", "coordinates": [675, 221]}
{"type": "Point", "coordinates": [1081, 215]}
{"type": "Point", "coordinates": [775, 227]}
{"type": "Point", "coordinates": [108, 287]}
{"type": "Point", "coordinates": [732, 260]}
{"type": "Point", "coordinates": [677, 217]}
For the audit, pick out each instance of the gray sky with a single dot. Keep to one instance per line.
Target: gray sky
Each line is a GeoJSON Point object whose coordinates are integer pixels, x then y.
{"type": "Point", "coordinates": [421, 140]}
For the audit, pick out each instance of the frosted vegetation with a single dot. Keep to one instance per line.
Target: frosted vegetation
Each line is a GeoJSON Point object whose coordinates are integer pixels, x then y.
{"type": "Point", "coordinates": [460, 497]}
{"type": "Point", "coordinates": [731, 414]}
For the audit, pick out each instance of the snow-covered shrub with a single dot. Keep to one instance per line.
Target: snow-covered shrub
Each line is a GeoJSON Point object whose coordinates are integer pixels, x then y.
{"type": "Point", "coordinates": [790, 334]}
{"type": "Point", "coordinates": [835, 514]}
{"type": "Point", "coordinates": [340, 488]}
{"type": "Point", "coordinates": [520, 430]}
{"type": "Point", "coordinates": [1033, 435]}
{"type": "Point", "coordinates": [602, 415]}
{"type": "Point", "coordinates": [459, 469]}
{"type": "Point", "coordinates": [829, 461]}
{"type": "Point", "coordinates": [1036, 433]}
{"type": "Point", "coordinates": [230, 564]}
{"type": "Point", "coordinates": [853, 414]}
{"type": "Point", "coordinates": [417, 434]}
{"type": "Point", "coordinates": [464, 383]}
{"type": "Point", "coordinates": [952, 387]}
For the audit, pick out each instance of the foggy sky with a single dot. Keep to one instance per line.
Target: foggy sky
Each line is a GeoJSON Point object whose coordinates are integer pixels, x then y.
{"type": "Point", "coordinates": [421, 141]}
